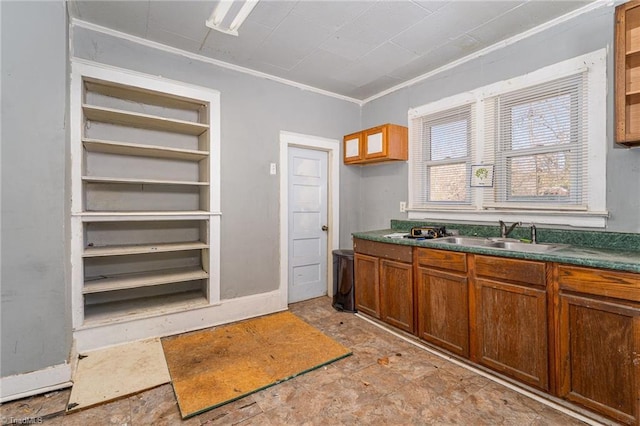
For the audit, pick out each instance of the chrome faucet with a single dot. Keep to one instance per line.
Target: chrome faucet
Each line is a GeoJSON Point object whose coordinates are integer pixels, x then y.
{"type": "Point", "coordinates": [534, 234]}
{"type": "Point", "coordinates": [504, 231]}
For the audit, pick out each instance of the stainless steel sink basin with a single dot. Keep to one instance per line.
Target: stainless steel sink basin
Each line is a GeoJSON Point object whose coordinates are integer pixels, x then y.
{"type": "Point", "coordinates": [466, 241]}
{"type": "Point", "coordinates": [527, 247]}
{"type": "Point", "coordinates": [505, 244]}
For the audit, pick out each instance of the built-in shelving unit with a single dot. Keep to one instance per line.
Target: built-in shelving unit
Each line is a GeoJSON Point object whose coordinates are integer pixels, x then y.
{"type": "Point", "coordinates": [627, 73]}
{"type": "Point", "coordinates": [145, 196]}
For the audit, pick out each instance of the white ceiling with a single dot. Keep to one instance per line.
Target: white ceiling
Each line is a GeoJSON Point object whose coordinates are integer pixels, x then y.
{"type": "Point", "coordinates": [352, 48]}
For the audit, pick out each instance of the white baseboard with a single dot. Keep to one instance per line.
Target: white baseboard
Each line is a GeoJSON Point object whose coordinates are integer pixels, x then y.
{"type": "Point", "coordinates": [230, 310]}
{"type": "Point", "coordinates": [35, 382]}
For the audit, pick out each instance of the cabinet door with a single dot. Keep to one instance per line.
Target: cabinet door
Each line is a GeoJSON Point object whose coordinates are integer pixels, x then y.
{"type": "Point", "coordinates": [396, 294]}
{"type": "Point", "coordinates": [375, 142]}
{"type": "Point", "coordinates": [511, 330]}
{"type": "Point", "coordinates": [367, 284]}
{"type": "Point", "coordinates": [352, 148]}
{"type": "Point", "coordinates": [443, 310]}
{"type": "Point", "coordinates": [600, 355]}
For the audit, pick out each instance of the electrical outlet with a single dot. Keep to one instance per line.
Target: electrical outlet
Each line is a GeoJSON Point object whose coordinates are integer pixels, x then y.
{"type": "Point", "coordinates": [403, 206]}
{"type": "Point", "coordinates": [272, 169]}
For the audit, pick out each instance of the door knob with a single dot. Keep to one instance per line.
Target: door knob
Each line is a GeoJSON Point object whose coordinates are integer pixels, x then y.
{"type": "Point", "coordinates": [325, 228]}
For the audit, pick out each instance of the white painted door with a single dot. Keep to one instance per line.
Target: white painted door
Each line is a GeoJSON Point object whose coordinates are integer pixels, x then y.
{"type": "Point", "coordinates": [308, 230]}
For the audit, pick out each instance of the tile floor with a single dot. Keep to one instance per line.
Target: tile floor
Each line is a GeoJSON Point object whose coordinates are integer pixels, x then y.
{"type": "Point", "coordinates": [387, 381]}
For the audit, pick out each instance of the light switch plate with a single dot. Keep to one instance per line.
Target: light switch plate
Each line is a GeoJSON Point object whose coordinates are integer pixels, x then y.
{"type": "Point", "coordinates": [272, 169]}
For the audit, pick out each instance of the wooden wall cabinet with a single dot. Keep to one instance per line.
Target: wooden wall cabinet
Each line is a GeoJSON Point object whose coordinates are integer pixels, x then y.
{"type": "Point", "coordinates": [627, 73]}
{"type": "Point", "coordinates": [384, 282]}
{"type": "Point", "coordinates": [510, 320]}
{"type": "Point", "coordinates": [443, 299]}
{"type": "Point", "coordinates": [599, 341]}
{"type": "Point", "coordinates": [388, 142]}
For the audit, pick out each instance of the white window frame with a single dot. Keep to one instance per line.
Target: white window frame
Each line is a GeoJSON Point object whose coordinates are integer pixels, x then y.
{"type": "Point", "coordinates": [467, 160]}
{"type": "Point", "coordinates": [596, 213]}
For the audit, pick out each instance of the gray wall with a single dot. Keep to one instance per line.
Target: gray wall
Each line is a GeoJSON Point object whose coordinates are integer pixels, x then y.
{"type": "Point", "coordinates": [253, 112]}
{"type": "Point", "coordinates": [36, 326]}
{"type": "Point", "coordinates": [382, 189]}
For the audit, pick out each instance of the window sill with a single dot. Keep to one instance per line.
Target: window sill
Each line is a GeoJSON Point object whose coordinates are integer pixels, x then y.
{"type": "Point", "coordinates": [565, 218]}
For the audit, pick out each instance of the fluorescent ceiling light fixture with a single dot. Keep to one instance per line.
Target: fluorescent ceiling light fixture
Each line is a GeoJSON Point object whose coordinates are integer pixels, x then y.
{"type": "Point", "coordinates": [229, 15]}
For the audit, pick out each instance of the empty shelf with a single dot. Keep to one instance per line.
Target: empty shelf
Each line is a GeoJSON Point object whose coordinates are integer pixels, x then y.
{"type": "Point", "coordinates": [142, 279]}
{"type": "Point", "coordinates": [142, 307]}
{"type": "Point", "coordinates": [105, 216]}
{"type": "Point", "coordinates": [125, 148]}
{"type": "Point", "coordinates": [142, 249]}
{"type": "Point", "coordinates": [144, 96]}
{"type": "Point", "coordinates": [144, 121]}
{"type": "Point", "coordinates": [102, 179]}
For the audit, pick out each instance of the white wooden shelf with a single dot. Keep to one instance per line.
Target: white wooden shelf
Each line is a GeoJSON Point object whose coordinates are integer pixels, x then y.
{"type": "Point", "coordinates": [142, 279]}
{"type": "Point", "coordinates": [124, 148]}
{"type": "Point", "coordinates": [120, 216]}
{"type": "Point", "coordinates": [144, 121]}
{"type": "Point", "coordinates": [114, 312]}
{"type": "Point", "coordinates": [115, 90]}
{"type": "Point", "coordinates": [142, 249]}
{"type": "Point", "coordinates": [102, 179]}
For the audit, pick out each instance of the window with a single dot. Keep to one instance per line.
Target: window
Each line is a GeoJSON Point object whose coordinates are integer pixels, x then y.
{"type": "Point", "coordinates": [443, 157]}
{"type": "Point", "coordinates": [544, 133]}
{"type": "Point", "coordinates": [540, 144]}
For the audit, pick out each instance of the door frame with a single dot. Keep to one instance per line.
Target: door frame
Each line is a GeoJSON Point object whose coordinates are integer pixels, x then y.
{"type": "Point", "coordinates": [332, 148]}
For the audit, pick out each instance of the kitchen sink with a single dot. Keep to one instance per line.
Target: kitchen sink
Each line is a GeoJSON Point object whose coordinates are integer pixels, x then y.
{"type": "Point", "coordinates": [466, 241]}
{"type": "Point", "coordinates": [509, 244]}
{"type": "Point", "coordinates": [528, 247]}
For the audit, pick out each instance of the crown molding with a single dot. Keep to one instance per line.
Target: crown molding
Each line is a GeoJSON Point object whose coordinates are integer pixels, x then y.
{"type": "Point", "coordinates": [497, 46]}
{"type": "Point", "coordinates": [494, 47]}
{"type": "Point", "coordinates": [195, 56]}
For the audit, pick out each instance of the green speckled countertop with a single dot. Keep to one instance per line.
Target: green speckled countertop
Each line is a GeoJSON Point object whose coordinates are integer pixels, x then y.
{"type": "Point", "coordinates": [618, 251]}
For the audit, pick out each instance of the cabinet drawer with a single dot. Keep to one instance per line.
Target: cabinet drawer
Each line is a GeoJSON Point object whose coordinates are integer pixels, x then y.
{"type": "Point", "coordinates": [523, 271]}
{"type": "Point", "coordinates": [442, 259]}
{"type": "Point", "coordinates": [602, 282]}
{"type": "Point", "coordinates": [383, 250]}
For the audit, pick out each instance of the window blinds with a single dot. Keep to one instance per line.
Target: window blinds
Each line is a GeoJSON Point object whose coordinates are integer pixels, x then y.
{"type": "Point", "coordinates": [441, 152]}
{"type": "Point", "coordinates": [537, 139]}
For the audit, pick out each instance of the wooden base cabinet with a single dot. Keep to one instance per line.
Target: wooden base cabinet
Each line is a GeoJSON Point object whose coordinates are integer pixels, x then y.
{"type": "Point", "coordinates": [599, 341]}
{"type": "Point", "coordinates": [570, 331]}
{"type": "Point", "coordinates": [510, 320]}
{"type": "Point", "coordinates": [384, 282]}
{"type": "Point", "coordinates": [367, 284]}
{"type": "Point", "coordinates": [443, 299]}
{"type": "Point", "coordinates": [396, 294]}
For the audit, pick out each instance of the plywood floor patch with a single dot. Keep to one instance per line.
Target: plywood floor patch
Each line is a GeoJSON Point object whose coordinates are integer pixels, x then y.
{"type": "Point", "coordinates": [215, 366]}
{"type": "Point", "coordinates": [108, 374]}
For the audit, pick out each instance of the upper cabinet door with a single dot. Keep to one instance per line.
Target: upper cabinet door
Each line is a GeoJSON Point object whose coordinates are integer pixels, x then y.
{"type": "Point", "coordinates": [376, 142]}
{"type": "Point", "coordinates": [352, 148]}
